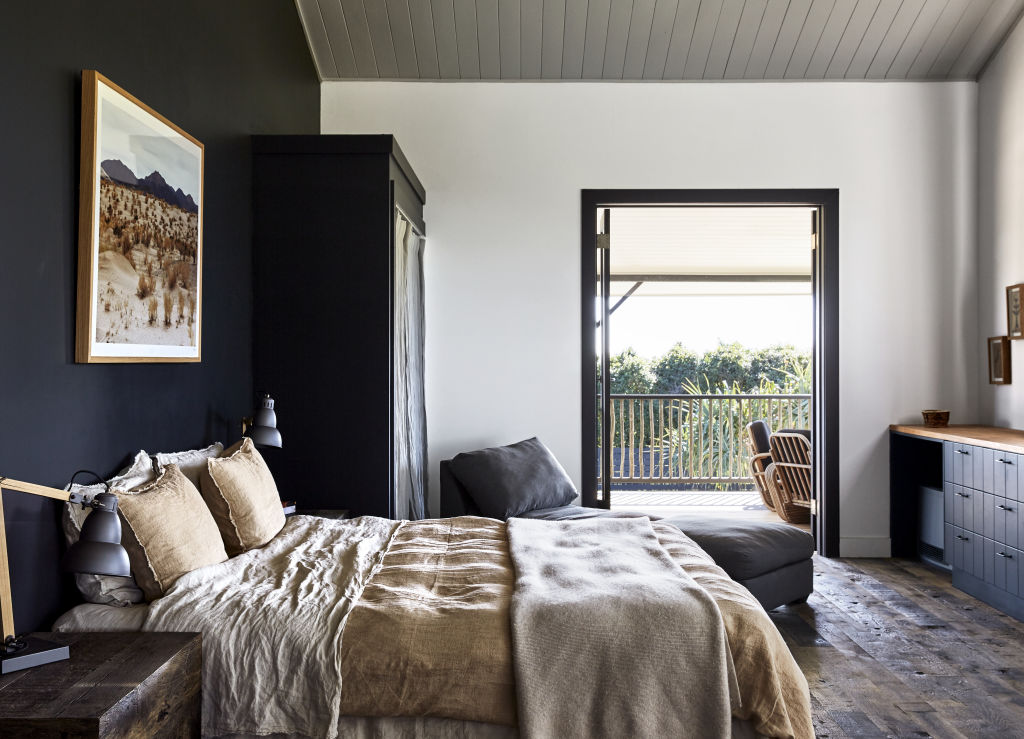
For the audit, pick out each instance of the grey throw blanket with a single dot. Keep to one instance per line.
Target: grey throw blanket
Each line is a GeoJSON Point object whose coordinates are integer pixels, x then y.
{"type": "Point", "coordinates": [611, 637]}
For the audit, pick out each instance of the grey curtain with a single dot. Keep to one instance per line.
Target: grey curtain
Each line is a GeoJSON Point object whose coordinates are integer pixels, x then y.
{"type": "Point", "coordinates": [410, 421]}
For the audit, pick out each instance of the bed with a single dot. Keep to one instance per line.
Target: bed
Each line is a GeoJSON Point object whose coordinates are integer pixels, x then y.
{"type": "Point", "coordinates": [475, 627]}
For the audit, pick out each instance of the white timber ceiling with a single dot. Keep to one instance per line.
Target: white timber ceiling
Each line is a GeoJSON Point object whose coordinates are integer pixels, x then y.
{"type": "Point", "coordinates": [688, 250]}
{"type": "Point", "coordinates": [655, 39]}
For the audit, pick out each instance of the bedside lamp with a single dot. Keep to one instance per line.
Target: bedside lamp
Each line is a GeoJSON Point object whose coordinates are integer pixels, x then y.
{"type": "Point", "coordinates": [97, 551]}
{"type": "Point", "coordinates": [261, 427]}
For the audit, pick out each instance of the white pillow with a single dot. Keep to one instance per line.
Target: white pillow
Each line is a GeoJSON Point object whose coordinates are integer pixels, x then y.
{"type": "Point", "coordinates": [106, 589]}
{"type": "Point", "coordinates": [191, 462]}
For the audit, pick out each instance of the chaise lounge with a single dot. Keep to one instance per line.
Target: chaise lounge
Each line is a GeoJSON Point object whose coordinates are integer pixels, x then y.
{"type": "Point", "coordinates": [772, 560]}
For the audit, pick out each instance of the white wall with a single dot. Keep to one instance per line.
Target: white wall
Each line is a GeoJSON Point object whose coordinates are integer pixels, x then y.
{"type": "Point", "coordinates": [1001, 220]}
{"type": "Point", "coordinates": [504, 164]}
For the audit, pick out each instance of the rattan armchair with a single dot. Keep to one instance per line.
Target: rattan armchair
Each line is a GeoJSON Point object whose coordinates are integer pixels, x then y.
{"type": "Point", "coordinates": [758, 435]}
{"type": "Point", "coordinates": [788, 477]}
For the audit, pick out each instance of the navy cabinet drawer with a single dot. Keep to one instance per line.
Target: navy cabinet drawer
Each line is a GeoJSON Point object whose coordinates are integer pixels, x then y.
{"type": "Point", "coordinates": [969, 552]}
{"type": "Point", "coordinates": [1002, 566]}
{"type": "Point", "coordinates": [947, 461]}
{"type": "Point", "coordinates": [968, 508]}
{"type": "Point", "coordinates": [963, 464]}
{"type": "Point", "coordinates": [1005, 468]}
{"type": "Point", "coordinates": [1001, 520]}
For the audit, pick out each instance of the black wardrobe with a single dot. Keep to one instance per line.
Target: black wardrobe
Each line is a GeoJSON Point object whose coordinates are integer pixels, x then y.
{"type": "Point", "coordinates": [338, 321]}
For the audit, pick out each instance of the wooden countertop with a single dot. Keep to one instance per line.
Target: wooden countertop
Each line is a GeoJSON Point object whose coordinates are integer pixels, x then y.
{"type": "Point", "coordinates": [995, 437]}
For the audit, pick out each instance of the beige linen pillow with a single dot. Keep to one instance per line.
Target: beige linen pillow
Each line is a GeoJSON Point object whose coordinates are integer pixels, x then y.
{"type": "Point", "coordinates": [169, 531]}
{"type": "Point", "coordinates": [191, 462]}
{"type": "Point", "coordinates": [243, 498]}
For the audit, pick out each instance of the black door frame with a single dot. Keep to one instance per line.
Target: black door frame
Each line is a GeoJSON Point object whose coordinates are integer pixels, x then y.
{"type": "Point", "coordinates": [825, 404]}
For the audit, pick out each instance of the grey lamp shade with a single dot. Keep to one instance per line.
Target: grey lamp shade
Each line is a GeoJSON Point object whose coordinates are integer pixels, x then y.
{"type": "Point", "coordinates": [263, 431]}
{"type": "Point", "coordinates": [98, 550]}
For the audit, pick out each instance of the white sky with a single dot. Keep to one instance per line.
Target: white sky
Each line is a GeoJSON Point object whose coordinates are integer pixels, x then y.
{"type": "Point", "coordinates": [145, 147]}
{"type": "Point", "coordinates": [651, 325]}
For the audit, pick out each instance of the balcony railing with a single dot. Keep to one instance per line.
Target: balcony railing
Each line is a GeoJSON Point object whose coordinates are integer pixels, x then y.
{"type": "Point", "coordinates": [693, 439]}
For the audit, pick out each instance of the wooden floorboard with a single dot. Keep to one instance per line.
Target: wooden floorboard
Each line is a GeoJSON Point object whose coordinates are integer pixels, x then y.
{"type": "Point", "coordinates": [891, 649]}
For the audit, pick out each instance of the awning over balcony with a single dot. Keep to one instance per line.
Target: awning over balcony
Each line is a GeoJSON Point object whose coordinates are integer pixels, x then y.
{"type": "Point", "coordinates": [711, 251]}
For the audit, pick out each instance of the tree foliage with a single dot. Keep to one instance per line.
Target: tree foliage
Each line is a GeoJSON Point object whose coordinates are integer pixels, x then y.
{"type": "Point", "coordinates": [728, 368]}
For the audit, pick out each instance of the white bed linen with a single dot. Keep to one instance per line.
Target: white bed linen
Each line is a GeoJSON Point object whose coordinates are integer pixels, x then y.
{"type": "Point", "coordinates": [272, 620]}
{"type": "Point", "coordinates": [356, 553]}
{"type": "Point", "coordinates": [99, 617]}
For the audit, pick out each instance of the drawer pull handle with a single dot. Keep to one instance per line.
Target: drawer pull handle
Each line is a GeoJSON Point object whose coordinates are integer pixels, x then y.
{"type": "Point", "coordinates": [961, 451]}
{"type": "Point", "coordinates": [962, 538]}
{"type": "Point", "coordinates": [962, 495]}
{"type": "Point", "coordinates": [1004, 554]}
{"type": "Point", "coordinates": [1008, 510]}
{"type": "Point", "coordinates": [1004, 461]}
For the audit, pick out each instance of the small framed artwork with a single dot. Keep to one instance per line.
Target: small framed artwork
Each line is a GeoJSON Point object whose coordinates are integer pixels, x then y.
{"type": "Point", "coordinates": [1014, 327]}
{"type": "Point", "coordinates": [140, 248]}
{"type": "Point", "coordinates": [999, 360]}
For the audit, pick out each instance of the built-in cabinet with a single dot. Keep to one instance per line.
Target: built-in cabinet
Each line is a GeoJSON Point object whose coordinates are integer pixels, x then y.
{"type": "Point", "coordinates": [331, 215]}
{"type": "Point", "coordinates": [982, 488]}
{"type": "Point", "coordinates": [981, 494]}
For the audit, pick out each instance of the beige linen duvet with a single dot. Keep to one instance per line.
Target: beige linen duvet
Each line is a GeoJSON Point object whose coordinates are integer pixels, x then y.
{"type": "Point", "coordinates": [377, 618]}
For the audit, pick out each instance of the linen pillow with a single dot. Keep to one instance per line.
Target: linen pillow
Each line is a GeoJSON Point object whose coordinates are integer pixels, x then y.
{"type": "Point", "coordinates": [241, 493]}
{"type": "Point", "coordinates": [169, 531]}
{"type": "Point", "coordinates": [191, 462]}
{"type": "Point", "coordinates": [106, 589]}
{"type": "Point", "coordinates": [506, 481]}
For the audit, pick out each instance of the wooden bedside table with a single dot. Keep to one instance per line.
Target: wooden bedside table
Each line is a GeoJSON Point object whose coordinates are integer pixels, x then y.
{"type": "Point", "coordinates": [126, 684]}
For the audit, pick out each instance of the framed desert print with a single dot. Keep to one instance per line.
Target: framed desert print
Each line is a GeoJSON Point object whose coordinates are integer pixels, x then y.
{"type": "Point", "coordinates": [999, 360]}
{"type": "Point", "coordinates": [1014, 328]}
{"type": "Point", "coordinates": [140, 246]}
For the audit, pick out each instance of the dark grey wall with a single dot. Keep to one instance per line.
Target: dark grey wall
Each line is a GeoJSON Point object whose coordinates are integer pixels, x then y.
{"type": "Point", "coordinates": [221, 70]}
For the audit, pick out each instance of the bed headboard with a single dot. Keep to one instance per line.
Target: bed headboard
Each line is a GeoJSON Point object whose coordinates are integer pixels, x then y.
{"type": "Point", "coordinates": [455, 501]}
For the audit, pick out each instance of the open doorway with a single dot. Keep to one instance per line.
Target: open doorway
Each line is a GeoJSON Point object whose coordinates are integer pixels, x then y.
{"type": "Point", "coordinates": [708, 310]}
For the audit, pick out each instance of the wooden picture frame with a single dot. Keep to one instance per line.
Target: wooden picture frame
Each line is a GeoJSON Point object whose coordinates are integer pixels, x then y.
{"type": "Point", "coordinates": [999, 360]}
{"type": "Point", "coordinates": [1014, 319]}
{"type": "Point", "coordinates": [140, 250]}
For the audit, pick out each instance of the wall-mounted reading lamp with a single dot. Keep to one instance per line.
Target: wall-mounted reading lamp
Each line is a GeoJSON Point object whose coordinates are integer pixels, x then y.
{"type": "Point", "coordinates": [97, 551]}
{"type": "Point", "coordinates": [261, 426]}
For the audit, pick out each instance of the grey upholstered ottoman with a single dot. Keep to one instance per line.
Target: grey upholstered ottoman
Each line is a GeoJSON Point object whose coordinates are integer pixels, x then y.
{"type": "Point", "coordinates": [773, 560]}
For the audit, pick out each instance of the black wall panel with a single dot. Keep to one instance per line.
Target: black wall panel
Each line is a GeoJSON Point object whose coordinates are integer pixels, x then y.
{"type": "Point", "coordinates": [221, 70]}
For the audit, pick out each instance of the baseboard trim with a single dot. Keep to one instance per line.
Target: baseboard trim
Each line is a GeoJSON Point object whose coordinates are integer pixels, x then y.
{"type": "Point", "coordinates": [865, 546]}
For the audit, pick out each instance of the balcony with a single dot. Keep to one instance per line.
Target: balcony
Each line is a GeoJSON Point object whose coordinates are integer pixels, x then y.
{"type": "Point", "coordinates": [691, 443]}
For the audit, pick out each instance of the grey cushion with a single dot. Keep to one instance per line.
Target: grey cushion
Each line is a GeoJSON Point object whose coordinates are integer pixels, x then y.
{"type": "Point", "coordinates": [747, 549]}
{"type": "Point", "coordinates": [759, 435]}
{"type": "Point", "coordinates": [506, 481]}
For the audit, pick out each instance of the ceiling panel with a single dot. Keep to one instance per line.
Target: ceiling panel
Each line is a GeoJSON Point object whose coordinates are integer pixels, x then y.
{"type": "Point", "coordinates": [508, 38]}
{"type": "Point", "coordinates": [725, 37]}
{"type": "Point", "coordinates": [911, 45]}
{"type": "Point", "coordinates": [654, 39]}
{"type": "Point", "coordinates": [575, 39]}
{"type": "Point", "coordinates": [702, 241]}
{"type": "Point", "coordinates": [743, 42]}
{"type": "Point", "coordinates": [764, 41]}
{"type": "Point", "coordinates": [357, 30]}
{"type": "Point", "coordinates": [828, 43]}
{"type": "Point", "coordinates": [468, 39]}
{"type": "Point", "coordinates": [489, 37]}
{"type": "Point", "coordinates": [423, 38]}
{"type": "Point", "coordinates": [400, 23]}
{"type": "Point", "coordinates": [679, 45]}
{"type": "Point", "coordinates": [531, 40]}
{"type": "Point", "coordinates": [900, 28]}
